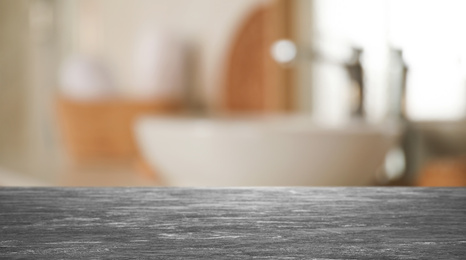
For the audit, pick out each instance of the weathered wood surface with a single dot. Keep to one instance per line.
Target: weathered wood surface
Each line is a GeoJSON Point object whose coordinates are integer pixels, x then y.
{"type": "Point", "coordinates": [276, 223]}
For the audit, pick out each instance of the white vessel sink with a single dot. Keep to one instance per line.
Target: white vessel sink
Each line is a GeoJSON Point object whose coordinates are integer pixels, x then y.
{"type": "Point", "coordinates": [266, 151]}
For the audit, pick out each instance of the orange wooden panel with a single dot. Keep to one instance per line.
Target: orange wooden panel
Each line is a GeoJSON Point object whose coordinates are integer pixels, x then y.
{"type": "Point", "coordinates": [104, 129]}
{"type": "Point", "coordinates": [449, 172]}
{"type": "Point", "coordinates": [254, 82]}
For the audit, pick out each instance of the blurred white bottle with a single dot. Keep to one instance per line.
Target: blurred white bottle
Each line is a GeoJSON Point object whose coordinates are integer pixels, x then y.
{"type": "Point", "coordinates": [85, 78]}
{"type": "Point", "coordinates": [159, 63]}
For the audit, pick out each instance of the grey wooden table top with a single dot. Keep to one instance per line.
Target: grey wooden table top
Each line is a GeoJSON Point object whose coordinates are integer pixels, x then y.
{"type": "Point", "coordinates": [276, 223]}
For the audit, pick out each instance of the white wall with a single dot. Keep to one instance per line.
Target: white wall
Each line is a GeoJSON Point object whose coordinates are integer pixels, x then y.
{"type": "Point", "coordinates": [109, 28]}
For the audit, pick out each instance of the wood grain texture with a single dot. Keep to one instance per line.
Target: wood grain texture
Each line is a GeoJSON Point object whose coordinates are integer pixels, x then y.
{"type": "Point", "coordinates": [243, 223]}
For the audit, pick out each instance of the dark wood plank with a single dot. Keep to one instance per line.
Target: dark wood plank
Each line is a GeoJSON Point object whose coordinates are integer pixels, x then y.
{"type": "Point", "coordinates": [277, 223]}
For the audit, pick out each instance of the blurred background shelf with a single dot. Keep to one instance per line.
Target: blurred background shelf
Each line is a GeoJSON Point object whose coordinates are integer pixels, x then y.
{"type": "Point", "coordinates": [103, 129]}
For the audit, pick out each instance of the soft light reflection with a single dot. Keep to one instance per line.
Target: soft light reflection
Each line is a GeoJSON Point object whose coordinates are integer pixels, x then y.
{"type": "Point", "coordinates": [430, 33]}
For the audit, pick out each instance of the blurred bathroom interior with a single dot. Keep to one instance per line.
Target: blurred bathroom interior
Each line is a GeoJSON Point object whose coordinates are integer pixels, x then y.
{"type": "Point", "coordinates": [232, 93]}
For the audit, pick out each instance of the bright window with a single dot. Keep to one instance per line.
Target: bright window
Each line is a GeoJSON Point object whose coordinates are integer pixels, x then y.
{"type": "Point", "coordinates": [431, 34]}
